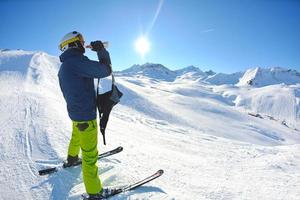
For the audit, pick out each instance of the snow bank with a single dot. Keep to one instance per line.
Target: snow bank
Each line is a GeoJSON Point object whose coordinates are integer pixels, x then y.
{"type": "Point", "coordinates": [15, 60]}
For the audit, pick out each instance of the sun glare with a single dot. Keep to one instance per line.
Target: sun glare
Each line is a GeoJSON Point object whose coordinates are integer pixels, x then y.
{"type": "Point", "coordinates": [142, 46]}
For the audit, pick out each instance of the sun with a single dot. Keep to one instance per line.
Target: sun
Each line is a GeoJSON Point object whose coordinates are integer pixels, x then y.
{"type": "Point", "coordinates": [142, 45]}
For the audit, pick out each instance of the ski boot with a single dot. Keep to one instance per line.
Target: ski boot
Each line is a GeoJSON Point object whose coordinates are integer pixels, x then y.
{"type": "Point", "coordinates": [71, 161]}
{"type": "Point", "coordinates": [105, 193]}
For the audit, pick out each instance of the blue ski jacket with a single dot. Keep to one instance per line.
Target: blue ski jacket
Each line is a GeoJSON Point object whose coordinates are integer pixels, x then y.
{"type": "Point", "coordinates": [76, 79]}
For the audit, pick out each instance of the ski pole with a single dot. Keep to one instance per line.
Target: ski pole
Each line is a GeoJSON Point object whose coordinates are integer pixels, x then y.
{"type": "Point", "coordinates": [103, 135]}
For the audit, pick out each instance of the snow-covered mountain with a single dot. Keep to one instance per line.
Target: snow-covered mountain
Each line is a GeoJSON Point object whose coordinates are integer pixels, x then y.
{"type": "Point", "coordinates": [279, 102]}
{"type": "Point", "coordinates": [190, 69]}
{"type": "Point", "coordinates": [15, 60]}
{"type": "Point", "coordinates": [160, 72]}
{"type": "Point", "coordinates": [260, 77]}
{"type": "Point", "coordinates": [190, 73]}
{"type": "Point", "coordinates": [156, 71]}
{"type": "Point", "coordinates": [221, 78]}
{"type": "Point", "coordinates": [198, 130]}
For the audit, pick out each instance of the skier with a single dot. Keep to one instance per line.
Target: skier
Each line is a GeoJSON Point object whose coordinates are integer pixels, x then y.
{"type": "Point", "coordinates": [76, 79]}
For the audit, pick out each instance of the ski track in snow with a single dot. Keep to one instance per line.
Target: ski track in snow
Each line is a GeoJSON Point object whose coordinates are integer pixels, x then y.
{"type": "Point", "coordinates": [208, 147]}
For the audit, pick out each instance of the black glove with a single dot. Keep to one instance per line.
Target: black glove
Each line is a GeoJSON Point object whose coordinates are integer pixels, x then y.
{"type": "Point", "coordinates": [97, 45]}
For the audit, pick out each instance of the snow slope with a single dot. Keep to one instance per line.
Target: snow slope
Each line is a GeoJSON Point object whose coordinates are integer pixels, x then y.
{"type": "Point", "coordinates": [277, 102]}
{"type": "Point", "coordinates": [262, 77]}
{"type": "Point", "coordinates": [160, 72]}
{"type": "Point", "coordinates": [209, 147]}
{"type": "Point", "coordinates": [151, 70]}
{"type": "Point", "coordinates": [221, 78]}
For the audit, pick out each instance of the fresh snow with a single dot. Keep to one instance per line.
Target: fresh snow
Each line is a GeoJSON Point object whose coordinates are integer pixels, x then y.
{"type": "Point", "coordinates": [276, 102]}
{"type": "Point", "coordinates": [222, 79]}
{"type": "Point", "coordinates": [262, 77]}
{"type": "Point", "coordinates": [150, 70]}
{"type": "Point", "coordinates": [199, 131]}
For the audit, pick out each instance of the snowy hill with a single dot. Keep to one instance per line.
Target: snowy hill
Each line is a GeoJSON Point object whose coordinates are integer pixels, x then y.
{"type": "Point", "coordinates": [190, 73]}
{"type": "Point", "coordinates": [190, 69]}
{"type": "Point", "coordinates": [151, 70]}
{"type": "Point", "coordinates": [199, 133]}
{"type": "Point", "coordinates": [262, 77]}
{"type": "Point", "coordinates": [15, 60]}
{"type": "Point", "coordinates": [221, 78]}
{"type": "Point", "coordinates": [277, 102]}
{"type": "Point", "coordinates": [160, 72]}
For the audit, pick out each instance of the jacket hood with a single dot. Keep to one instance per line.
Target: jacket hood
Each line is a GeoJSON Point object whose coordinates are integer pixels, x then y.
{"type": "Point", "coordinates": [70, 53]}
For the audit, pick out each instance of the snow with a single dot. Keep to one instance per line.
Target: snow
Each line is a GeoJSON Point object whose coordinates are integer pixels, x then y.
{"type": "Point", "coordinates": [262, 77]}
{"type": "Point", "coordinates": [198, 131]}
{"type": "Point", "coordinates": [221, 78]}
{"type": "Point", "coordinates": [151, 70]}
{"type": "Point", "coordinates": [280, 102]}
{"type": "Point", "coordinates": [15, 60]}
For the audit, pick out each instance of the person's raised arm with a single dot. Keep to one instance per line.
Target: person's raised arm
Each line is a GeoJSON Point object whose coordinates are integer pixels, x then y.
{"type": "Point", "coordinates": [93, 69]}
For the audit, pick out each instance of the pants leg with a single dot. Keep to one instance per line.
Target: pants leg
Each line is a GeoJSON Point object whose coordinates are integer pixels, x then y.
{"type": "Point", "coordinates": [74, 145]}
{"type": "Point", "coordinates": [88, 134]}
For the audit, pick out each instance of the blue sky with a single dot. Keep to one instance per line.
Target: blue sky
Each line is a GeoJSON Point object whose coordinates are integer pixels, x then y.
{"type": "Point", "coordinates": [225, 36]}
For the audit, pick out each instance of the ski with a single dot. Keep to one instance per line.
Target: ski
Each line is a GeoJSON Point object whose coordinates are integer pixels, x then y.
{"type": "Point", "coordinates": [103, 155]}
{"type": "Point", "coordinates": [128, 187]}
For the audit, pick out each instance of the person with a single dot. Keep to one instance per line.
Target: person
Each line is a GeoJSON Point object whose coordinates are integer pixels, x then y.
{"type": "Point", "coordinates": [76, 79]}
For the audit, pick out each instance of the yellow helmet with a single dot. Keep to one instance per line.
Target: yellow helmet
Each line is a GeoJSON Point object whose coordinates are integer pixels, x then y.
{"type": "Point", "coordinates": [71, 40]}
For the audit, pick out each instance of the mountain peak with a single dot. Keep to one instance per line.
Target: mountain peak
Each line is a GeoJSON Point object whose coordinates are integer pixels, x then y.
{"type": "Point", "coordinates": [151, 70]}
{"type": "Point", "coordinates": [260, 77]}
{"type": "Point", "coordinates": [210, 73]}
{"type": "Point", "coordinates": [189, 69]}
{"type": "Point", "coordinates": [137, 67]}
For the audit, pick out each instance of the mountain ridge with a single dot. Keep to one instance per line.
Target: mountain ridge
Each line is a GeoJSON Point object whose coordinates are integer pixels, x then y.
{"type": "Point", "coordinates": [251, 77]}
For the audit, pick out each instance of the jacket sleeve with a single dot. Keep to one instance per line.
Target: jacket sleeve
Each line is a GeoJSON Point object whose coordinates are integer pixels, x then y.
{"type": "Point", "coordinates": [94, 69]}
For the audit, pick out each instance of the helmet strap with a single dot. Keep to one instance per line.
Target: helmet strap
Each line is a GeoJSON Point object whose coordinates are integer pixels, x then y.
{"type": "Point", "coordinates": [80, 46]}
{"type": "Point", "coordinates": [77, 45]}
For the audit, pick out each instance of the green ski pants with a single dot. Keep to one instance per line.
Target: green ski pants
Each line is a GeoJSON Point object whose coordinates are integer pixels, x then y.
{"type": "Point", "coordinates": [84, 137]}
